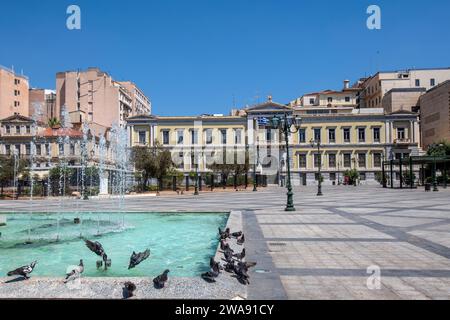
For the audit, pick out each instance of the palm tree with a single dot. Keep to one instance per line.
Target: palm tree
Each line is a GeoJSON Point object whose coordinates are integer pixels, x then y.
{"type": "Point", "coordinates": [53, 122]}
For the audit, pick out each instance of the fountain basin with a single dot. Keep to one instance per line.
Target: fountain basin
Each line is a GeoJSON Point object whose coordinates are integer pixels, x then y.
{"type": "Point", "coordinates": [181, 242]}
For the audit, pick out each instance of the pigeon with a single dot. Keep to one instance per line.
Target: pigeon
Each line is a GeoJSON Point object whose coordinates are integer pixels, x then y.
{"type": "Point", "coordinates": [240, 256]}
{"type": "Point", "coordinates": [241, 240]}
{"type": "Point", "coordinates": [95, 247]}
{"type": "Point", "coordinates": [236, 234]}
{"type": "Point", "coordinates": [24, 271]}
{"type": "Point", "coordinates": [75, 272]}
{"type": "Point", "coordinates": [224, 234]}
{"type": "Point", "coordinates": [228, 255]}
{"type": "Point", "coordinates": [229, 266]}
{"type": "Point", "coordinates": [129, 288]}
{"type": "Point", "coordinates": [223, 245]}
{"type": "Point", "coordinates": [208, 277]}
{"type": "Point", "coordinates": [250, 264]}
{"type": "Point", "coordinates": [160, 280]}
{"type": "Point", "coordinates": [213, 273]}
{"type": "Point", "coordinates": [137, 258]}
{"type": "Point", "coordinates": [241, 273]}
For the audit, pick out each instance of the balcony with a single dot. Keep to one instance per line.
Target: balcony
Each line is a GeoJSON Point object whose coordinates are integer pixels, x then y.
{"type": "Point", "coordinates": [402, 141]}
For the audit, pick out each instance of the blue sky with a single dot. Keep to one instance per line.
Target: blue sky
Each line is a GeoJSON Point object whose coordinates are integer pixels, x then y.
{"type": "Point", "coordinates": [199, 56]}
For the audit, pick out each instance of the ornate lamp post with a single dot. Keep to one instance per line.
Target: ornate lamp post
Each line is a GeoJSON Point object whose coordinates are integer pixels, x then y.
{"type": "Point", "coordinates": [196, 172]}
{"type": "Point", "coordinates": [287, 125]}
{"type": "Point", "coordinates": [317, 143]}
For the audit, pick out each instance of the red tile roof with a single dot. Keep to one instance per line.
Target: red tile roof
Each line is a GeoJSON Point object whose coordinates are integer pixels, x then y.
{"type": "Point", "coordinates": [61, 132]}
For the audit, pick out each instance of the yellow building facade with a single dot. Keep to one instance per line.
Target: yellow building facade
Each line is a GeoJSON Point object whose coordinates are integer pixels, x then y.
{"type": "Point", "coordinates": [359, 139]}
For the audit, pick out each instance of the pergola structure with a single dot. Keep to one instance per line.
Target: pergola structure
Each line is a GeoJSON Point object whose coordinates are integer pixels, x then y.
{"type": "Point", "coordinates": [409, 166]}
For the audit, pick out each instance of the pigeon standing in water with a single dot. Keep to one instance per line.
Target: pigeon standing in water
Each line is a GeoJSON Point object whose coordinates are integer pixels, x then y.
{"type": "Point", "coordinates": [137, 258]}
{"type": "Point", "coordinates": [128, 289]}
{"type": "Point", "coordinates": [75, 272]}
{"type": "Point", "coordinates": [97, 248]}
{"type": "Point", "coordinates": [24, 271]}
{"type": "Point", "coordinates": [160, 280]}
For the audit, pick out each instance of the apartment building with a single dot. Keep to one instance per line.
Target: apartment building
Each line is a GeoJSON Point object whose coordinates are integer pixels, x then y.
{"type": "Point", "coordinates": [13, 93]}
{"type": "Point", "coordinates": [140, 103]}
{"type": "Point", "coordinates": [347, 97]}
{"type": "Point", "coordinates": [45, 100]}
{"type": "Point", "coordinates": [93, 96]}
{"type": "Point", "coordinates": [435, 115]}
{"type": "Point", "coordinates": [376, 87]}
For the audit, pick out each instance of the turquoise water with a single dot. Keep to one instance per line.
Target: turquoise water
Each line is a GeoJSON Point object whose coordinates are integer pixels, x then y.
{"type": "Point", "coordinates": [181, 242]}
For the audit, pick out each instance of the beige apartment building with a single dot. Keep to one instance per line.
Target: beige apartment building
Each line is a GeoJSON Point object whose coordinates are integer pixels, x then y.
{"type": "Point", "coordinates": [140, 103]}
{"type": "Point", "coordinates": [435, 115]}
{"type": "Point", "coordinates": [398, 99]}
{"type": "Point", "coordinates": [376, 87]}
{"type": "Point", "coordinates": [347, 97]}
{"type": "Point", "coordinates": [94, 96]}
{"type": "Point", "coordinates": [46, 100]}
{"type": "Point", "coordinates": [13, 93]}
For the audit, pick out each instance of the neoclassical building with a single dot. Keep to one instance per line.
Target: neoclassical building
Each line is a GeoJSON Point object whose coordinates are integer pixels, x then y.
{"type": "Point", "coordinates": [350, 138]}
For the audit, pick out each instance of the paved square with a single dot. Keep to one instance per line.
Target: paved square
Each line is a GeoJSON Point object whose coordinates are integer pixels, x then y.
{"type": "Point", "coordinates": [324, 249]}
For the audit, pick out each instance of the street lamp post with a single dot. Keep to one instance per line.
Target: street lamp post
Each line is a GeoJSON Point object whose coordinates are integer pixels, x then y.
{"type": "Point", "coordinates": [319, 186]}
{"type": "Point", "coordinates": [196, 173]}
{"type": "Point", "coordinates": [287, 125]}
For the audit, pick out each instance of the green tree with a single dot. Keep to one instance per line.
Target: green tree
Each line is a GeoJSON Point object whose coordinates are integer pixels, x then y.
{"type": "Point", "coordinates": [60, 174]}
{"type": "Point", "coordinates": [152, 162]}
{"type": "Point", "coordinates": [227, 168]}
{"type": "Point", "coordinates": [352, 176]}
{"type": "Point", "coordinates": [53, 122]}
{"type": "Point", "coordinates": [7, 170]}
{"type": "Point", "coordinates": [441, 149]}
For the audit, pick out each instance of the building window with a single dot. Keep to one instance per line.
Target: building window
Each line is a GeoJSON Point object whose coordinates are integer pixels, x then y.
{"type": "Point", "coordinates": [362, 160]}
{"type": "Point", "coordinates": [142, 136]}
{"type": "Point", "coordinates": [317, 160]}
{"type": "Point", "coordinates": [166, 137]}
{"type": "Point", "coordinates": [223, 134]}
{"type": "Point", "coordinates": [61, 149]}
{"type": "Point", "coordinates": [28, 149]}
{"type": "Point", "coordinates": [332, 160]}
{"type": "Point", "coordinates": [302, 135]}
{"type": "Point", "coordinates": [332, 135]}
{"type": "Point", "coordinates": [317, 134]}
{"type": "Point", "coordinates": [209, 137]}
{"type": "Point", "coordinates": [47, 149]}
{"type": "Point", "coordinates": [268, 135]}
{"type": "Point", "coordinates": [432, 82]}
{"type": "Point", "coordinates": [347, 160]}
{"type": "Point", "coordinates": [18, 129]}
{"type": "Point", "coordinates": [362, 176]}
{"type": "Point", "coordinates": [238, 136]}
{"type": "Point", "coordinates": [401, 133]}
{"type": "Point", "coordinates": [347, 99]}
{"type": "Point", "coordinates": [417, 83]}
{"type": "Point", "coordinates": [312, 101]}
{"type": "Point", "coordinates": [7, 149]}
{"type": "Point", "coordinates": [361, 134]}
{"type": "Point", "coordinates": [38, 150]}
{"type": "Point", "coordinates": [347, 135]}
{"type": "Point", "coordinates": [180, 136]}
{"type": "Point", "coordinates": [377, 160]}
{"type": "Point", "coordinates": [302, 160]}
{"type": "Point", "coordinates": [72, 149]}
{"type": "Point", "coordinates": [376, 134]}
{"type": "Point", "coordinates": [194, 137]}
{"type": "Point", "coordinates": [8, 129]}
{"type": "Point", "coordinates": [28, 129]}
{"type": "Point", "coordinates": [181, 161]}
{"type": "Point", "coordinates": [332, 176]}
{"type": "Point", "coordinates": [330, 100]}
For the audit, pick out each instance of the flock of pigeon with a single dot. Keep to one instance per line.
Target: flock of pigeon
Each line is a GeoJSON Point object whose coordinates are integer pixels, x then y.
{"type": "Point", "coordinates": [233, 263]}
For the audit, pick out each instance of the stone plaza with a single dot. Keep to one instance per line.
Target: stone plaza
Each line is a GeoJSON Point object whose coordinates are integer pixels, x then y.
{"type": "Point", "coordinates": [330, 246]}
